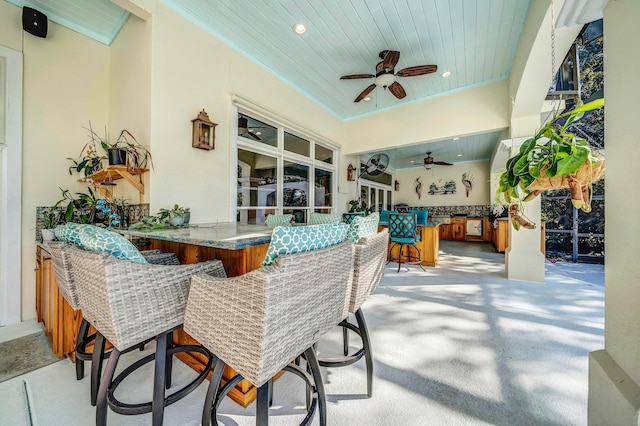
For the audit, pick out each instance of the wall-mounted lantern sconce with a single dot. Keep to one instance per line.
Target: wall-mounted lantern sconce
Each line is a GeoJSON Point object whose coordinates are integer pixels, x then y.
{"type": "Point", "coordinates": [204, 132]}
{"type": "Point", "coordinates": [351, 173]}
{"type": "Point", "coordinates": [396, 185]}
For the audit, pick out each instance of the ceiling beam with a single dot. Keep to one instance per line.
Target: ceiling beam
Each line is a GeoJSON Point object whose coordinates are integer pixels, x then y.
{"type": "Point", "coordinates": [143, 9]}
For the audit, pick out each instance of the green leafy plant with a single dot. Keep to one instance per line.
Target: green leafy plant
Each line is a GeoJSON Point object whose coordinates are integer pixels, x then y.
{"type": "Point", "coordinates": [165, 218]}
{"type": "Point", "coordinates": [357, 206]}
{"type": "Point", "coordinates": [552, 157]}
{"type": "Point", "coordinates": [90, 161]}
{"type": "Point", "coordinates": [138, 155]}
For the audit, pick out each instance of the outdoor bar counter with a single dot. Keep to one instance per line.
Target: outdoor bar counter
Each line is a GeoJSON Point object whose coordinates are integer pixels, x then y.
{"type": "Point", "coordinates": [429, 243]}
{"type": "Point", "coordinates": [240, 247]}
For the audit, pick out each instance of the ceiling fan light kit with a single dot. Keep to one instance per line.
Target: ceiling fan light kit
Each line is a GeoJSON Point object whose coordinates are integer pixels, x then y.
{"type": "Point", "coordinates": [385, 76]}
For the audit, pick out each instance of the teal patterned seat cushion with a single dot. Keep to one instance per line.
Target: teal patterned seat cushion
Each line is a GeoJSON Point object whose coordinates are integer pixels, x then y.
{"type": "Point", "coordinates": [297, 239]}
{"type": "Point", "coordinates": [320, 218]}
{"type": "Point", "coordinates": [94, 238]}
{"type": "Point", "coordinates": [278, 219]}
{"type": "Point", "coordinates": [363, 226]}
{"type": "Point", "coordinates": [69, 233]}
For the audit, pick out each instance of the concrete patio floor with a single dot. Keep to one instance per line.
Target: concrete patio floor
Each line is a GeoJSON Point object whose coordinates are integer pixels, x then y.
{"type": "Point", "coordinates": [458, 344]}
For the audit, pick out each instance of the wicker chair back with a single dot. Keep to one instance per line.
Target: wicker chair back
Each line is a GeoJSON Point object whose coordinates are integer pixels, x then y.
{"type": "Point", "coordinates": [370, 258]}
{"type": "Point", "coordinates": [258, 322]}
{"type": "Point", "coordinates": [130, 302]}
{"type": "Point", "coordinates": [64, 276]}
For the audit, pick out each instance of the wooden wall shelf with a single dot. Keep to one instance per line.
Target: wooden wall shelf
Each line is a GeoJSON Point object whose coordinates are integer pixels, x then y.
{"type": "Point", "coordinates": [113, 173]}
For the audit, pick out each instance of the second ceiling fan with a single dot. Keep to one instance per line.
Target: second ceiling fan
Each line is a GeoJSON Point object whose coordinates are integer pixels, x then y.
{"type": "Point", "coordinates": [429, 162]}
{"type": "Point", "coordinates": [385, 76]}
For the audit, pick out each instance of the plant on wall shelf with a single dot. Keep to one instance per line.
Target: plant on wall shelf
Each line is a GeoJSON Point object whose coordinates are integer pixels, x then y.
{"type": "Point", "coordinates": [125, 150]}
{"type": "Point", "coordinates": [553, 158]}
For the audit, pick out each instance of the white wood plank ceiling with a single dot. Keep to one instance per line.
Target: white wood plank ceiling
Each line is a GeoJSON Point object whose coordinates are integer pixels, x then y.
{"type": "Point", "coordinates": [475, 40]}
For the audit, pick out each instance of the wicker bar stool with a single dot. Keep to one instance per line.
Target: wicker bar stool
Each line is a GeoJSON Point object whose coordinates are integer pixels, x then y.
{"type": "Point", "coordinates": [67, 286]}
{"type": "Point", "coordinates": [259, 322]}
{"type": "Point", "coordinates": [129, 303]}
{"type": "Point", "coordinates": [369, 262]}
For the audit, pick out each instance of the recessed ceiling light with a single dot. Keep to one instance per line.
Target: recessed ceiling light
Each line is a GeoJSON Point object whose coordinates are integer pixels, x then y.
{"type": "Point", "coordinates": [258, 133]}
{"type": "Point", "coordinates": [446, 74]}
{"type": "Point", "coordinates": [455, 139]}
{"type": "Point", "coordinates": [413, 161]}
{"type": "Point", "coordinates": [367, 98]}
{"type": "Point", "coordinates": [459, 155]}
{"type": "Point", "coordinates": [299, 28]}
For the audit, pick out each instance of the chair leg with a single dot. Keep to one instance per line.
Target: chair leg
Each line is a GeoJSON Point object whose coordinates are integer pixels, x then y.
{"type": "Point", "coordinates": [81, 342]}
{"type": "Point", "coordinates": [159, 379]}
{"type": "Point", "coordinates": [209, 409]}
{"type": "Point", "coordinates": [314, 367]}
{"type": "Point", "coordinates": [96, 366]}
{"type": "Point", "coordinates": [101, 408]}
{"type": "Point", "coordinates": [262, 405]}
{"type": "Point", "coordinates": [419, 257]}
{"type": "Point", "coordinates": [366, 345]}
{"type": "Point", "coordinates": [400, 256]}
{"type": "Point", "coordinates": [345, 341]}
{"type": "Point", "coordinates": [169, 366]}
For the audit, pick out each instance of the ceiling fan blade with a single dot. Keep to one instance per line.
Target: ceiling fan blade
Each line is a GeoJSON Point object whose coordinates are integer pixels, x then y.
{"type": "Point", "coordinates": [364, 93]}
{"type": "Point", "coordinates": [253, 135]}
{"type": "Point", "coordinates": [442, 163]}
{"type": "Point", "coordinates": [354, 76]}
{"type": "Point", "coordinates": [397, 90]}
{"type": "Point", "coordinates": [417, 70]}
{"type": "Point", "coordinates": [391, 59]}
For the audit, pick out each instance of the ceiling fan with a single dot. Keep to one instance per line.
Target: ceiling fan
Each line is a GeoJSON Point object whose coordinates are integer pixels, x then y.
{"type": "Point", "coordinates": [375, 165]}
{"type": "Point", "coordinates": [385, 76]}
{"type": "Point", "coordinates": [245, 130]}
{"type": "Point", "coordinates": [429, 162]}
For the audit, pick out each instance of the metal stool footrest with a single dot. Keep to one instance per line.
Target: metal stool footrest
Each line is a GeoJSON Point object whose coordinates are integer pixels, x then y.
{"type": "Point", "coordinates": [313, 381]}
{"type": "Point", "coordinates": [146, 407]}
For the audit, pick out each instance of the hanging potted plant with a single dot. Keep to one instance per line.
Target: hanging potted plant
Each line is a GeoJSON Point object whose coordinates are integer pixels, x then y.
{"type": "Point", "coordinates": [127, 151]}
{"type": "Point", "coordinates": [552, 159]}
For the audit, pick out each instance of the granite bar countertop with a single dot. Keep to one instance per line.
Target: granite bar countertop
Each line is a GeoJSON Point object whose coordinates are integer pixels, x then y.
{"type": "Point", "coordinates": [227, 235]}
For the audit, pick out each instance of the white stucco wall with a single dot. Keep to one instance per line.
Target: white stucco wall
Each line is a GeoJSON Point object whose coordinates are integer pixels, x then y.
{"type": "Point", "coordinates": [478, 110]}
{"type": "Point", "coordinates": [192, 70]}
{"type": "Point", "coordinates": [130, 92]}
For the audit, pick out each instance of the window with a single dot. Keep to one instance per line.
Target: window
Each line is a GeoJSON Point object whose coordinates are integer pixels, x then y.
{"type": "Point", "coordinates": [281, 170]}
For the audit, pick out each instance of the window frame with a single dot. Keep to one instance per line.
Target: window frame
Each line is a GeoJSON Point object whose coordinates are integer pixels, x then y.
{"type": "Point", "coordinates": [239, 142]}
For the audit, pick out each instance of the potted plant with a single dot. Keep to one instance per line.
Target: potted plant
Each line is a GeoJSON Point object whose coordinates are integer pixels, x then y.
{"type": "Point", "coordinates": [553, 158]}
{"type": "Point", "coordinates": [124, 151]}
{"type": "Point", "coordinates": [174, 216]}
{"type": "Point", "coordinates": [90, 158]}
{"type": "Point", "coordinates": [51, 220]}
{"type": "Point", "coordinates": [127, 151]}
{"type": "Point", "coordinates": [358, 206]}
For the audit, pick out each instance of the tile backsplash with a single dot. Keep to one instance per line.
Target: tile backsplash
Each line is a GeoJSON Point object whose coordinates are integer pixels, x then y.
{"type": "Point", "coordinates": [474, 211]}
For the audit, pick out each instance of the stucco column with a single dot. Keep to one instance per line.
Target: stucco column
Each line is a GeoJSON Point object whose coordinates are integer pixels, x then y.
{"type": "Point", "coordinates": [523, 258]}
{"type": "Point", "coordinates": [614, 372]}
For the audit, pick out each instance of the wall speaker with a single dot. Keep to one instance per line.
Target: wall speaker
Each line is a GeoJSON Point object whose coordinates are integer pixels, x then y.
{"type": "Point", "coordinates": [34, 22]}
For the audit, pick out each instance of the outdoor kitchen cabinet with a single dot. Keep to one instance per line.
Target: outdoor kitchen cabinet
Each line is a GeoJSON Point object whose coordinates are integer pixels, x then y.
{"type": "Point", "coordinates": [459, 228]}
{"type": "Point", "coordinates": [445, 231]}
{"type": "Point", "coordinates": [59, 320]}
{"type": "Point", "coordinates": [501, 235]}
